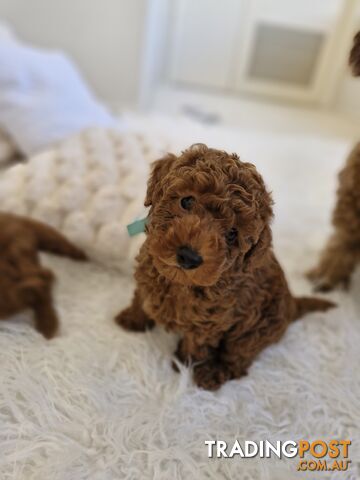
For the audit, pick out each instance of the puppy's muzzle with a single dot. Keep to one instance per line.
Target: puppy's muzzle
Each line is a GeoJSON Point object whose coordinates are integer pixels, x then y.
{"type": "Point", "coordinates": [187, 258]}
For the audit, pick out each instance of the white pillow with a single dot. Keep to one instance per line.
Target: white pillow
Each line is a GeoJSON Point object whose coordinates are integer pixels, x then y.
{"type": "Point", "coordinates": [6, 33]}
{"type": "Point", "coordinates": [7, 146]}
{"type": "Point", "coordinates": [90, 187]}
{"type": "Point", "coordinates": [43, 98]}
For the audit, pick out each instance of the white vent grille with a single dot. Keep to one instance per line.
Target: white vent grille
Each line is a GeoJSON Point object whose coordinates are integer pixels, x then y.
{"type": "Point", "coordinates": [285, 54]}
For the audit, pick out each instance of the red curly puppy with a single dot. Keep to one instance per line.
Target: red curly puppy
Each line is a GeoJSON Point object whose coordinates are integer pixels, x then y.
{"type": "Point", "coordinates": [207, 269]}
{"type": "Point", "coordinates": [342, 253]}
{"type": "Point", "coordinates": [24, 283]}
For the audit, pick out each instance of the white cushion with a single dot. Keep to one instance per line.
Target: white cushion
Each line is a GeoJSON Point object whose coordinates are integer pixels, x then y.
{"type": "Point", "coordinates": [43, 98]}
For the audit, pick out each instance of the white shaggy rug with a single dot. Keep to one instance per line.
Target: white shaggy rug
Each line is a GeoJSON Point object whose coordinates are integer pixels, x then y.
{"type": "Point", "coordinates": [98, 403]}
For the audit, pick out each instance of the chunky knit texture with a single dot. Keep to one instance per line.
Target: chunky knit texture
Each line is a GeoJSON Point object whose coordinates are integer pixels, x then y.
{"type": "Point", "coordinates": [89, 187]}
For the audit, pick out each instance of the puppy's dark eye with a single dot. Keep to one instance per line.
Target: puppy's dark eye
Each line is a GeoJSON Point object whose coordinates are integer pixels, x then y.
{"type": "Point", "coordinates": [231, 236]}
{"type": "Point", "coordinates": [187, 202]}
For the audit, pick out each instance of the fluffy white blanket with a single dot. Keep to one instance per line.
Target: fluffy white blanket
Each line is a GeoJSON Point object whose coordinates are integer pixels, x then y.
{"type": "Point", "coordinates": [102, 404]}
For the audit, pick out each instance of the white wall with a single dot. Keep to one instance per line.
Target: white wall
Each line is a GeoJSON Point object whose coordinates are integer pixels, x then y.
{"type": "Point", "coordinates": [154, 54]}
{"type": "Point", "coordinates": [104, 37]}
{"type": "Point", "coordinates": [348, 100]}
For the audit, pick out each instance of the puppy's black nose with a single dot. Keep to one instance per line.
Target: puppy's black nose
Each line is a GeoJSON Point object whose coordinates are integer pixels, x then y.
{"type": "Point", "coordinates": [187, 258]}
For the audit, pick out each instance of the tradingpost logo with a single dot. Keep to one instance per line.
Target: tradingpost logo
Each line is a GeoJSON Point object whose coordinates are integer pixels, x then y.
{"type": "Point", "coordinates": [317, 455]}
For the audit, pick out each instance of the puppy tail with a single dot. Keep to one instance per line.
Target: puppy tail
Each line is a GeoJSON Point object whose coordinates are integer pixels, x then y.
{"type": "Point", "coordinates": [304, 305]}
{"type": "Point", "coordinates": [50, 240]}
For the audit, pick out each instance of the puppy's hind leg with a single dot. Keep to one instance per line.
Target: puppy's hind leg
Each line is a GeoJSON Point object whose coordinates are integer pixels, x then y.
{"type": "Point", "coordinates": [134, 318]}
{"type": "Point", "coordinates": [36, 294]}
{"type": "Point", "coordinates": [46, 320]}
{"type": "Point", "coordinates": [336, 265]}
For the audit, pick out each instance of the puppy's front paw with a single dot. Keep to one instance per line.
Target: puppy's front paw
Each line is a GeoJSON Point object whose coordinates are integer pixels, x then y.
{"type": "Point", "coordinates": [136, 323]}
{"type": "Point", "coordinates": [211, 375]}
{"type": "Point", "coordinates": [182, 354]}
{"type": "Point", "coordinates": [186, 355]}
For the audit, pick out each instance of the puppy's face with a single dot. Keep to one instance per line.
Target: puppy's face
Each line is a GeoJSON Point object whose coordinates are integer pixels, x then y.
{"type": "Point", "coordinates": [209, 213]}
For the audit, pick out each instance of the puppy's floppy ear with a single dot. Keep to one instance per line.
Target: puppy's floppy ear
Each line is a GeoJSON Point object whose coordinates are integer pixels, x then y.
{"type": "Point", "coordinates": [159, 169]}
{"type": "Point", "coordinates": [260, 248]}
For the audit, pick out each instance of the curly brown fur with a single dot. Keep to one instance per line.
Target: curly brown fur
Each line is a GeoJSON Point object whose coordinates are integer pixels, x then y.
{"type": "Point", "coordinates": [355, 56]}
{"type": "Point", "coordinates": [342, 252]}
{"type": "Point", "coordinates": [235, 301]}
{"type": "Point", "coordinates": [24, 283]}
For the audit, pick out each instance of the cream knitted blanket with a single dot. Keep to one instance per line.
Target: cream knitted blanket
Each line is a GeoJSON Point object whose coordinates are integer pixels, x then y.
{"type": "Point", "coordinates": [90, 187]}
